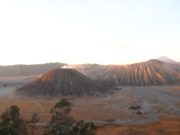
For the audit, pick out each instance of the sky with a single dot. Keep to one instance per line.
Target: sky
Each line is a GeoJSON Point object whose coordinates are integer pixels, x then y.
{"type": "Point", "coordinates": [88, 31]}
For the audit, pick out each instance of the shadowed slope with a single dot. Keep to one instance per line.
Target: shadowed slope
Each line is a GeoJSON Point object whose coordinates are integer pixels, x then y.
{"type": "Point", "coordinates": [61, 82]}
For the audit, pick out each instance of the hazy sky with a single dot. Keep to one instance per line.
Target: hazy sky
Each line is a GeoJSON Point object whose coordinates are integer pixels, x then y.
{"type": "Point", "coordinates": [88, 31]}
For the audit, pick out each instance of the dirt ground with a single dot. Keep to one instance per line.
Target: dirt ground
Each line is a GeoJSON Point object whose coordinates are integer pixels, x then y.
{"type": "Point", "coordinates": [169, 126]}
{"type": "Point", "coordinates": [163, 127]}
{"type": "Point", "coordinates": [154, 103]}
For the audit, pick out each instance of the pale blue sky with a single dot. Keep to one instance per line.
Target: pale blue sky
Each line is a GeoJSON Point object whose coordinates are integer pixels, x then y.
{"type": "Point", "coordinates": [88, 31]}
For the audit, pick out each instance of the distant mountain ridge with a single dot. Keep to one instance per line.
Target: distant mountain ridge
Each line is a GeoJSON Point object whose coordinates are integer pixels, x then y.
{"type": "Point", "coordinates": [166, 59]}
{"type": "Point", "coordinates": [152, 72]}
{"type": "Point", "coordinates": [28, 70]}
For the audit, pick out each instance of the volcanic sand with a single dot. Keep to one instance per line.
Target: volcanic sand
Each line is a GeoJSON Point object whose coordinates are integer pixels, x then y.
{"type": "Point", "coordinates": [112, 110]}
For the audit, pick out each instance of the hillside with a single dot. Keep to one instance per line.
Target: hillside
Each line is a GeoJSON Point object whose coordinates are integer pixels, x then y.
{"type": "Point", "coordinates": [61, 82]}
{"type": "Point", "coordinates": [152, 72]}
{"type": "Point", "coordinates": [28, 70]}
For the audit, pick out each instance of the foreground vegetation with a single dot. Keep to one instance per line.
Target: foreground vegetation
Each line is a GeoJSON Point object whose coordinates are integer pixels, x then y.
{"type": "Point", "coordinates": [61, 122]}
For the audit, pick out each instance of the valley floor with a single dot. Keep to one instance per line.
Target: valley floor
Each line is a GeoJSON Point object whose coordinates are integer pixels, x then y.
{"type": "Point", "coordinates": [131, 107]}
{"type": "Point", "coordinates": [163, 127]}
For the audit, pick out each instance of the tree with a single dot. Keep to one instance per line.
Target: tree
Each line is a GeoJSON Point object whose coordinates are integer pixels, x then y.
{"type": "Point", "coordinates": [84, 128]}
{"type": "Point", "coordinates": [31, 123]}
{"type": "Point", "coordinates": [11, 123]}
{"type": "Point", "coordinates": [61, 122]}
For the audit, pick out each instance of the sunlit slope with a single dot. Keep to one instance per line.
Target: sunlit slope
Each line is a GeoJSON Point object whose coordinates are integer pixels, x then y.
{"type": "Point", "coordinates": [153, 72]}
{"type": "Point", "coordinates": [62, 82]}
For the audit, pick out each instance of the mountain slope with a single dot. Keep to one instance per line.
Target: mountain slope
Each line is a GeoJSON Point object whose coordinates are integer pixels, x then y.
{"type": "Point", "coordinates": [61, 82]}
{"type": "Point", "coordinates": [153, 72]}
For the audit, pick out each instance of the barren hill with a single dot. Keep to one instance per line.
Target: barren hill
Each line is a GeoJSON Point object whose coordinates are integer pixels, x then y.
{"type": "Point", "coordinates": [152, 72]}
{"type": "Point", "coordinates": [62, 82]}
